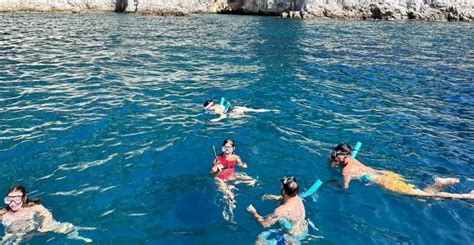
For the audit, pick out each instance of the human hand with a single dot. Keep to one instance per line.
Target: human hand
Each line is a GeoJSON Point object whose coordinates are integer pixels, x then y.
{"type": "Point", "coordinates": [270, 197]}
{"type": "Point", "coordinates": [251, 209]}
{"type": "Point", "coordinates": [243, 165]}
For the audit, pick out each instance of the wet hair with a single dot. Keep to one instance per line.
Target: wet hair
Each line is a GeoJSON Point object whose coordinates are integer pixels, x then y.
{"type": "Point", "coordinates": [27, 202]}
{"type": "Point", "coordinates": [290, 186]}
{"type": "Point", "coordinates": [341, 149]}
{"type": "Point", "coordinates": [229, 140]}
{"type": "Point", "coordinates": [207, 102]}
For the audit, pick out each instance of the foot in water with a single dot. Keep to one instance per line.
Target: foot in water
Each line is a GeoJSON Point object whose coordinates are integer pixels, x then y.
{"type": "Point", "coordinates": [446, 181]}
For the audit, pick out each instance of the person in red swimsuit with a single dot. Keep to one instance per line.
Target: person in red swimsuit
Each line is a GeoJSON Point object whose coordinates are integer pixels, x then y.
{"type": "Point", "coordinates": [226, 178]}
{"type": "Point", "coordinates": [224, 164]}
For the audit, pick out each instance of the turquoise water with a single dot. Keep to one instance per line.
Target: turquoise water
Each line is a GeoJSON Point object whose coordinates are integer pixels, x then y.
{"type": "Point", "coordinates": [101, 117]}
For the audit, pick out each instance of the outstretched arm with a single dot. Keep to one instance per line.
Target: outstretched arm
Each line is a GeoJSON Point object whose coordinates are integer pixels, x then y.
{"type": "Point", "coordinates": [272, 197]}
{"type": "Point", "coordinates": [267, 221]}
{"type": "Point", "coordinates": [46, 215]}
{"type": "Point", "coordinates": [240, 163]}
{"type": "Point", "coordinates": [2, 212]}
{"type": "Point", "coordinates": [221, 116]}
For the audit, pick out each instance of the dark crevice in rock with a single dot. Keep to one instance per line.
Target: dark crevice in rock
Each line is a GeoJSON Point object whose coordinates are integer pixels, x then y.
{"type": "Point", "coordinates": [121, 5]}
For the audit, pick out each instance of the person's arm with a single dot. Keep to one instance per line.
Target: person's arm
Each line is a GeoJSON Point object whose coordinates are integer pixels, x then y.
{"type": "Point", "coordinates": [221, 116]}
{"type": "Point", "coordinates": [240, 163]}
{"type": "Point", "coordinates": [266, 221]}
{"type": "Point", "coordinates": [217, 167]}
{"type": "Point", "coordinates": [272, 197]}
{"type": "Point", "coordinates": [46, 215]}
{"type": "Point", "coordinates": [347, 180]}
{"type": "Point", "coordinates": [2, 212]}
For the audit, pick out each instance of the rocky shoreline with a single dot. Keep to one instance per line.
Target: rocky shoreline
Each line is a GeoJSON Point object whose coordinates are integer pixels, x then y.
{"type": "Point", "coordinates": [429, 10]}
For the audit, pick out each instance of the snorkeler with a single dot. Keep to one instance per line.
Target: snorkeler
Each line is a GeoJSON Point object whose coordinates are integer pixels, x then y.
{"type": "Point", "coordinates": [353, 169]}
{"type": "Point", "coordinates": [227, 110]}
{"type": "Point", "coordinates": [290, 214]}
{"type": "Point", "coordinates": [23, 216]}
{"type": "Point", "coordinates": [224, 170]}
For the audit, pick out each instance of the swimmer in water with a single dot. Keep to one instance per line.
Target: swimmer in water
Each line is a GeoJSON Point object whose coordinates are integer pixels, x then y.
{"type": "Point", "coordinates": [353, 169]}
{"type": "Point", "coordinates": [226, 178]}
{"type": "Point", "coordinates": [291, 210]}
{"type": "Point", "coordinates": [232, 111]}
{"type": "Point", "coordinates": [23, 216]}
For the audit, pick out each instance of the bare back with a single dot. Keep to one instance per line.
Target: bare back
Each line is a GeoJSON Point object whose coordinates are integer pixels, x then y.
{"type": "Point", "coordinates": [293, 210]}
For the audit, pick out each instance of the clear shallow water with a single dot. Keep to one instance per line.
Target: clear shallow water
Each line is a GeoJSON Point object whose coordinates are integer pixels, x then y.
{"type": "Point", "coordinates": [101, 117]}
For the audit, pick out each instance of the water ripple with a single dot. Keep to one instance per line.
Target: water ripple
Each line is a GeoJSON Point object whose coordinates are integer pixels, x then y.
{"type": "Point", "coordinates": [105, 111]}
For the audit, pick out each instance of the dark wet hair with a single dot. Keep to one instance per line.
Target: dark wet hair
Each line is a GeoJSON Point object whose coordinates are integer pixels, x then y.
{"type": "Point", "coordinates": [290, 186]}
{"type": "Point", "coordinates": [27, 202]}
{"type": "Point", "coordinates": [207, 102]}
{"type": "Point", "coordinates": [341, 149]}
{"type": "Point", "coordinates": [229, 140]}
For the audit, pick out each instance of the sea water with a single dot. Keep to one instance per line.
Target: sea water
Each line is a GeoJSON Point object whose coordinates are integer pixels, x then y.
{"type": "Point", "coordinates": [101, 117]}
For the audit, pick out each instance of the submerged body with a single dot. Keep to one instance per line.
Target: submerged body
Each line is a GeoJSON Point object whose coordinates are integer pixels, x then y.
{"type": "Point", "coordinates": [226, 177]}
{"type": "Point", "coordinates": [23, 217]}
{"type": "Point", "coordinates": [291, 214]}
{"type": "Point", "coordinates": [231, 112]}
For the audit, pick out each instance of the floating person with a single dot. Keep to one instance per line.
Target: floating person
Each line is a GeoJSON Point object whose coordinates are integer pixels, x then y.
{"type": "Point", "coordinates": [290, 215]}
{"type": "Point", "coordinates": [226, 178]}
{"type": "Point", "coordinates": [225, 109]}
{"type": "Point", "coordinates": [22, 217]}
{"type": "Point", "coordinates": [353, 169]}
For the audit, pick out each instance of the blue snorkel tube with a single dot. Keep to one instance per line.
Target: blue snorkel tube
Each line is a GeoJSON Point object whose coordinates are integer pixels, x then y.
{"type": "Point", "coordinates": [225, 104]}
{"type": "Point", "coordinates": [356, 149]}
{"type": "Point", "coordinates": [284, 222]}
{"type": "Point", "coordinates": [354, 152]}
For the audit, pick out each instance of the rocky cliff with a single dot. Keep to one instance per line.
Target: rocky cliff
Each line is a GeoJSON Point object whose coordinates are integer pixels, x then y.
{"type": "Point", "coordinates": [452, 10]}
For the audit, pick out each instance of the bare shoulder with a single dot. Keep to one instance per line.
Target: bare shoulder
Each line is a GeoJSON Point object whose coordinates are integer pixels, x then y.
{"type": "Point", "coordinates": [346, 170]}
{"type": "Point", "coordinates": [281, 210]}
{"type": "Point", "coordinates": [236, 157]}
{"type": "Point", "coordinates": [38, 208]}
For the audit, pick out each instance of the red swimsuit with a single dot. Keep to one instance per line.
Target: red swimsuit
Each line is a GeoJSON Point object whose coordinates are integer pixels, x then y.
{"type": "Point", "coordinates": [228, 170]}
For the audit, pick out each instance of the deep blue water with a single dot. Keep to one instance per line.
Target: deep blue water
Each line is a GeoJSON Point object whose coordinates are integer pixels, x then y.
{"type": "Point", "coordinates": [101, 117]}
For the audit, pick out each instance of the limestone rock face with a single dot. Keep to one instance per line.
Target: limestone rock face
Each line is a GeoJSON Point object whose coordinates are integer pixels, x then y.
{"type": "Point", "coordinates": [156, 7]}
{"type": "Point", "coordinates": [431, 10]}
{"type": "Point", "coordinates": [55, 5]}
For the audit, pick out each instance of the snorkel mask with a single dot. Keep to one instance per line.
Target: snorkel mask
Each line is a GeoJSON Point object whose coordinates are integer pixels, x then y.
{"type": "Point", "coordinates": [333, 162]}
{"type": "Point", "coordinates": [208, 107]}
{"type": "Point", "coordinates": [14, 202]}
{"type": "Point", "coordinates": [16, 199]}
{"type": "Point", "coordinates": [228, 149]}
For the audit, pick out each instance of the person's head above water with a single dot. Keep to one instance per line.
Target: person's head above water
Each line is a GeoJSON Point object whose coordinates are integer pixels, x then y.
{"type": "Point", "coordinates": [339, 153]}
{"type": "Point", "coordinates": [289, 186]}
{"type": "Point", "coordinates": [208, 103]}
{"type": "Point", "coordinates": [228, 146]}
{"type": "Point", "coordinates": [17, 198]}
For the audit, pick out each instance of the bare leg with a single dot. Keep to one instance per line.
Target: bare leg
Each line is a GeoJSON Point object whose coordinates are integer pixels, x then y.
{"type": "Point", "coordinates": [422, 193]}
{"type": "Point", "coordinates": [440, 183]}
{"type": "Point", "coordinates": [242, 110]}
{"type": "Point", "coordinates": [228, 198]}
{"type": "Point", "coordinates": [71, 230]}
{"type": "Point", "coordinates": [469, 195]}
{"type": "Point", "coordinates": [244, 178]}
